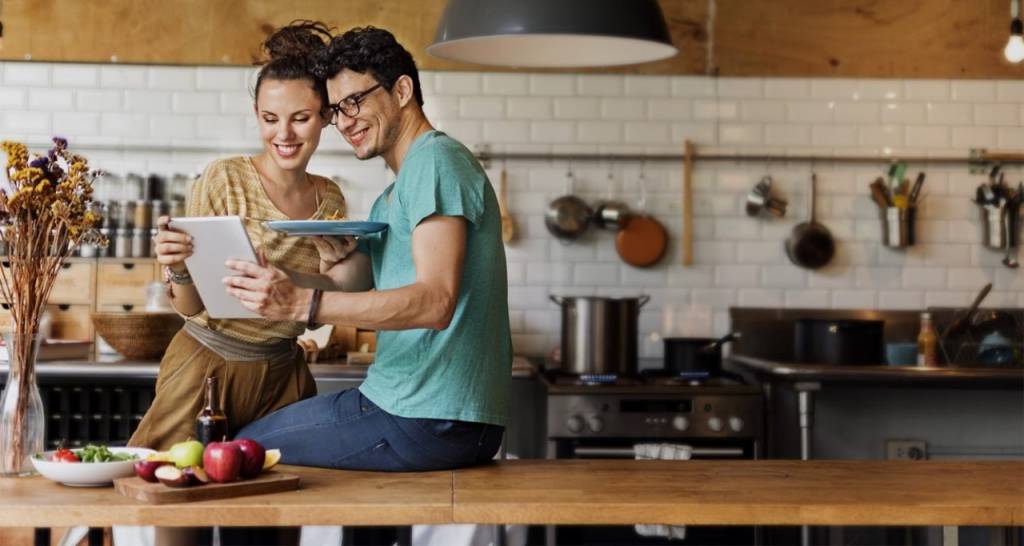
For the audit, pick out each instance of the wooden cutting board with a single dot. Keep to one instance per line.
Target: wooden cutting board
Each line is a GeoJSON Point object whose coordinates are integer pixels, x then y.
{"type": "Point", "coordinates": [158, 493]}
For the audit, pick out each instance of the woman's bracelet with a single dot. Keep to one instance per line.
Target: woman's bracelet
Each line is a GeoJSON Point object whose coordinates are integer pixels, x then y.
{"type": "Point", "coordinates": [178, 278]}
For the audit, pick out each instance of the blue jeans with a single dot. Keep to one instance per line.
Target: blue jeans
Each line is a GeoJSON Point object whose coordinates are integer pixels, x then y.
{"type": "Point", "coordinates": [346, 430]}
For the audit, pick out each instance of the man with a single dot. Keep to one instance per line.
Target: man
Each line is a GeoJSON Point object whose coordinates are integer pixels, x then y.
{"type": "Point", "coordinates": [437, 394]}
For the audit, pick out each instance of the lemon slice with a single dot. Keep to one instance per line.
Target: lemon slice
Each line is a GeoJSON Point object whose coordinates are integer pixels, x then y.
{"type": "Point", "coordinates": [160, 456]}
{"type": "Point", "coordinates": [271, 459]}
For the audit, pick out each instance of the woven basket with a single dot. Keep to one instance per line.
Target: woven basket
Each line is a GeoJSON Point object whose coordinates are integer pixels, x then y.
{"type": "Point", "coordinates": [138, 336]}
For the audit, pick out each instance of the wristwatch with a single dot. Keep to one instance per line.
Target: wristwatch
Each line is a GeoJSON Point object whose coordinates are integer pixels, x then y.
{"type": "Point", "coordinates": [177, 278]}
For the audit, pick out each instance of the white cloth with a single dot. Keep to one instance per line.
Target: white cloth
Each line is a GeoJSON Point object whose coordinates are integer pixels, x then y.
{"type": "Point", "coordinates": [466, 535]}
{"type": "Point", "coordinates": [669, 452]}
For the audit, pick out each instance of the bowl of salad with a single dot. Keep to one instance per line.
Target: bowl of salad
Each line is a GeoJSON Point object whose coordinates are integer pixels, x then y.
{"type": "Point", "coordinates": [90, 466]}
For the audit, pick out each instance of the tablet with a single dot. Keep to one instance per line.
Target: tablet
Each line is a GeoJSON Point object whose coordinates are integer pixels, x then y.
{"type": "Point", "coordinates": [216, 239]}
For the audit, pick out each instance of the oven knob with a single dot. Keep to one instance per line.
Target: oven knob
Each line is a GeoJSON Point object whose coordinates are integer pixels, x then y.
{"type": "Point", "coordinates": [736, 424]}
{"type": "Point", "coordinates": [680, 423]}
{"type": "Point", "coordinates": [715, 424]}
{"type": "Point", "coordinates": [596, 424]}
{"type": "Point", "coordinates": [574, 424]}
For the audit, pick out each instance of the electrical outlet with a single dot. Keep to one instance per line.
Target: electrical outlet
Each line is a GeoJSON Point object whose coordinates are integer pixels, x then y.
{"type": "Point", "coordinates": [909, 450]}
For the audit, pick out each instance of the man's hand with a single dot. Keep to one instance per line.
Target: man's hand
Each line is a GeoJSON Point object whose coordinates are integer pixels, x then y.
{"type": "Point", "coordinates": [268, 291]}
{"type": "Point", "coordinates": [333, 250]}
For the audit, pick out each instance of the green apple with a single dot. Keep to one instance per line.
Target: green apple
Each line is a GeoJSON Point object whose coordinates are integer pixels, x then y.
{"type": "Point", "coordinates": [186, 454]}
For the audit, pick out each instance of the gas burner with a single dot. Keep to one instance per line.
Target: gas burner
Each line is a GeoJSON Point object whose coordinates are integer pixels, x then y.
{"type": "Point", "coordinates": [599, 379]}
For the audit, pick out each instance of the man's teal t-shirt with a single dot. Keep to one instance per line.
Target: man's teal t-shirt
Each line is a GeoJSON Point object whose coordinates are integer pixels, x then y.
{"type": "Point", "coordinates": [464, 371]}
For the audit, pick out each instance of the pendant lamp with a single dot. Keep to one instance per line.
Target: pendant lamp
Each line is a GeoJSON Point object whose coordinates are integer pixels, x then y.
{"type": "Point", "coordinates": [552, 33]}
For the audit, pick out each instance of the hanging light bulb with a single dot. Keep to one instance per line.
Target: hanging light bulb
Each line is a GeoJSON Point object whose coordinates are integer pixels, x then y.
{"type": "Point", "coordinates": [1014, 50]}
{"type": "Point", "coordinates": [1015, 45]}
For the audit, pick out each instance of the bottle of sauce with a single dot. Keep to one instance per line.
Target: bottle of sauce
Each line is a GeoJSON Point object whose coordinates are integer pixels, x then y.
{"type": "Point", "coordinates": [927, 342]}
{"type": "Point", "coordinates": [211, 423]}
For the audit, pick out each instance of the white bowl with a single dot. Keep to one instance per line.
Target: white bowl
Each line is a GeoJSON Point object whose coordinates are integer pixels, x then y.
{"type": "Point", "coordinates": [89, 474]}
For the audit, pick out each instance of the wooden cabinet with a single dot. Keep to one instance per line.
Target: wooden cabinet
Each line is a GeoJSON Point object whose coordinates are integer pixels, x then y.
{"type": "Point", "coordinates": [86, 285]}
{"type": "Point", "coordinates": [123, 283]}
{"type": "Point", "coordinates": [72, 321]}
{"type": "Point", "coordinates": [75, 284]}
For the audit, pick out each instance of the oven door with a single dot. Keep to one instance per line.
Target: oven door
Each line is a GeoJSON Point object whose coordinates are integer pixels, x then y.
{"type": "Point", "coordinates": [622, 448]}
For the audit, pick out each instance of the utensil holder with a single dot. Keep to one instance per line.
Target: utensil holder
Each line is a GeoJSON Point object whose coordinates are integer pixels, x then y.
{"type": "Point", "coordinates": [898, 226]}
{"type": "Point", "coordinates": [994, 226]}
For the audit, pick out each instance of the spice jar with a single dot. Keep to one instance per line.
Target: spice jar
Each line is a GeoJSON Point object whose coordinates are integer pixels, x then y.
{"type": "Point", "coordinates": [123, 243]}
{"type": "Point", "coordinates": [177, 208]}
{"type": "Point", "coordinates": [157, 210]}
{"type": "Point", "coordinates": [127, 215]}
{"type": "Point", "coordinates": [113, 217]}
{"type": "Point", "coordinates": [143, 215]}
{"type": "Point", "coordinates": [140, 243]}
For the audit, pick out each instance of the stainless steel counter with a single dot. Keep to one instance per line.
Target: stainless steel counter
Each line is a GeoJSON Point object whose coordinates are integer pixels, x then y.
{"type": "Point", "coordinates": [807, 379]}
{"type": "Point", "coordinates": [1010, 378]}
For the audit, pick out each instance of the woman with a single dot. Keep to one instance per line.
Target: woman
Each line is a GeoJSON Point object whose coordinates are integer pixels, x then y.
{"type": "Point", "coordinates": [258, 364]}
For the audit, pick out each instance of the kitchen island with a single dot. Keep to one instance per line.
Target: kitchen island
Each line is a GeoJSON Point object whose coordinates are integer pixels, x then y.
{"type": "Point", "coordinates": [928, 493]}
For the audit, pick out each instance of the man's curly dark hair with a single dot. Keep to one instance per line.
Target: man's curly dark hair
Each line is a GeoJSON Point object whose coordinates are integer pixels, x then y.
{"type": "Point", "coordinates": [369, 50]}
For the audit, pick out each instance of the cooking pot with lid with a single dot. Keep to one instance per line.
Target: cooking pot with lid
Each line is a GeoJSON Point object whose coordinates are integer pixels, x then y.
{"type": "Point", "coordinates": [841, 341]}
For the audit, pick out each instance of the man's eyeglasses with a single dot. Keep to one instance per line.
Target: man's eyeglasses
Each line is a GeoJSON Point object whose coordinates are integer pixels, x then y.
{"type": "Point", "coordinates": [350, 104]}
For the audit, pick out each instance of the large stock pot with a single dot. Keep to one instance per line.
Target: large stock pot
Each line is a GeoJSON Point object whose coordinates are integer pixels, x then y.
{"type": "Point", "coordinates": [599, 335]}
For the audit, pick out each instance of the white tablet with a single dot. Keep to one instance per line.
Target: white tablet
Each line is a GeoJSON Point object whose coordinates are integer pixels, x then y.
{"type": "Point", "coordinates": [216, 239]}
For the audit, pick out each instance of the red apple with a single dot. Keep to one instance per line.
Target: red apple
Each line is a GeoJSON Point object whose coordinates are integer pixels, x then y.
{"type": "Point", "coordinates": [146, 469]}
{"type": "Point", "coordinates": [172, 476]}
{"type": "Point", "coordinates": [197, 475]}
{"type": "Point", "coordinates": [222, 461]}
{"type": "Point", "coordinates": [253, 456]}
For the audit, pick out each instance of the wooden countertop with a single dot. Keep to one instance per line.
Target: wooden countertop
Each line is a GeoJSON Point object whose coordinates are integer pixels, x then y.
{"type": "Point", "coordinates": [326, 497]}
{"type": "Point", "coordinates": [742, 492]}
{"type": "Point", "coordinates": [575, 492]}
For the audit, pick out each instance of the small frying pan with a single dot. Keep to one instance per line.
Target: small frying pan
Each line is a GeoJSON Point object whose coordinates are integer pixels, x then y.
{"type": "Point", "coordinates": [810, 245]}
{"type": "Point", "coordinates": [642, 242]}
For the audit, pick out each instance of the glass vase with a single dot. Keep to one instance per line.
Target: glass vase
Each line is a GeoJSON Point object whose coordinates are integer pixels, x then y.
{"type": "Point", "coordinates": [22, 425]}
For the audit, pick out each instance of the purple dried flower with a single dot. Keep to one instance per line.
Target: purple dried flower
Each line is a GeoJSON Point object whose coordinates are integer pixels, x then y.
{"type": "Point", "coordinates": [40, 163]}
{"type": "Point", "coordinates": [60, 142]}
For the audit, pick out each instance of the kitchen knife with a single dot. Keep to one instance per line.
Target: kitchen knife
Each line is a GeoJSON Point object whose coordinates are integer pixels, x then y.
{"type": "Point", "coordinates": [917, 188]}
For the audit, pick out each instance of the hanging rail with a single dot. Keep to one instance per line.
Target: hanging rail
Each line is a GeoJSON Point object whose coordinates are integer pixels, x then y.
{"type": "Point", "coordinates": [976, 156]}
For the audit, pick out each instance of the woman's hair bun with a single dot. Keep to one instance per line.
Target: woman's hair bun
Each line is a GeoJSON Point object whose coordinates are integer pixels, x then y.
{"type": "Point", "coordinates": [301, 38]}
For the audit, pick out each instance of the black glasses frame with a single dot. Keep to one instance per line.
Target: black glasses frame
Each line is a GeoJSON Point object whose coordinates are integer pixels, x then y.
{"type": "Point", "coordinates": [350, 104]}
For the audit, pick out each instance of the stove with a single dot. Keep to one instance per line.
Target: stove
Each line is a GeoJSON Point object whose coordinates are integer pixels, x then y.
{"type": "Point", "coordinates": [707, 410]}
{"type": "Point", "coordinates": [608, 416]}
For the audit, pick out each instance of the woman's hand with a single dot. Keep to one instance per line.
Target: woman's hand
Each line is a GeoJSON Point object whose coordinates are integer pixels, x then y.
{"type": "Point", "coordinates": [268, 291]}
{"type": "Point", "coordinates": [172, 246]}
{"type": "Point", "coordinates": [333, 250]}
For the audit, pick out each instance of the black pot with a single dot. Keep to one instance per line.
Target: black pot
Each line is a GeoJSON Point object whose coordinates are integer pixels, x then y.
{"type": "Point", "coordinates": [839, 342]}
{"type": "Point", "coordinates": [694, 354]}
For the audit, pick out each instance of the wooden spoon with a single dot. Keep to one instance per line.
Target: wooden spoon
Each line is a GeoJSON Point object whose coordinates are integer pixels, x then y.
{"type": "Point", "coordinates": [508, 225]}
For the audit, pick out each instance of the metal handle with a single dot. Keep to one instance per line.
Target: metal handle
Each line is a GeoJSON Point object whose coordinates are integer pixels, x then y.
{"type": "Point", "coordinates": [556, 299]}
{"type": "Point", "coordinates": [642, 301]}
{"type": "Point", "coordinates": [629, 453]}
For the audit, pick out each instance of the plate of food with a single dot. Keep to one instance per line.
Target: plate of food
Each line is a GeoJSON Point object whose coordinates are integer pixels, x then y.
{"type": "Point", "coordinates": [311, 228]}
{"type": "Point", "coordinates": [90, 466]}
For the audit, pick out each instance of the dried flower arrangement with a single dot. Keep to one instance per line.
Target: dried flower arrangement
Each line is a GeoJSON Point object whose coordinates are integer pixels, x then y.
{"type": "Point", "coordinates": [46, 212]}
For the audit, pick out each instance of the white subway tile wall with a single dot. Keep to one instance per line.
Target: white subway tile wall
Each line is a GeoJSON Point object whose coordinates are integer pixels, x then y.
{"type": "Point", "coordinates": [739, 260]}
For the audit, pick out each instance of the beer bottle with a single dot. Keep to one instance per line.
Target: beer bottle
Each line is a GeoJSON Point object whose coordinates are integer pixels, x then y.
{"type": "Point", "coordinates": [211, 423]}
{"type": "Point", "coordinates": [927, 354]}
